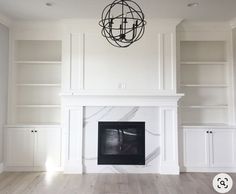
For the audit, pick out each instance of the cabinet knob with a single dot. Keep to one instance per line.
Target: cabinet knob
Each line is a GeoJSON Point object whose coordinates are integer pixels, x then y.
{"type": "Point", "coordinates": [32, 131]}
{"type": "Point", "coordinates": [211, 132]}
{"type": "Point", "coordinates": [35, 131]}
{"type": "Point", "coordinates": [207, 132]}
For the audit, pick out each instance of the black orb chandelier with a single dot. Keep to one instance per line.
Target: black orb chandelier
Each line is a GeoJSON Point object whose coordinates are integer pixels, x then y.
{"type": "Point", "coordinates": [122, 23]}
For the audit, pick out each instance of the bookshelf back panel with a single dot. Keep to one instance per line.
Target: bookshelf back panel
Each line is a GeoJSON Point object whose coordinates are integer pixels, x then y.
{"type": "Point", "coordinates": [38, 50]}
{"type": "Point", "coordinates": [38, 115]}
{"type": "Point", "coordinates": [203, 74]}
{"type": "Point", "coordinates": [38, 95]}
{"type": "Point", "coordinates": [204, 116]}
{"type": "Point", "coordinates": [39, 74]}
{"type": "Point", "coordinates": [204, 96]}
{"type": "Point", "coordinates": [203, 51]}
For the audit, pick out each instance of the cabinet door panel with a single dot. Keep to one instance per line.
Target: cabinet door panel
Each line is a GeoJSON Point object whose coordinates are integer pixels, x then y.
{"type": "Point", "coordinates": [196, 150]}
{"type": "Point", "coordinates": [20, 147]}
{"type": "Point", "coordinates": [222, 148]}
{"type": "Point", "coordinates": [48, 148]}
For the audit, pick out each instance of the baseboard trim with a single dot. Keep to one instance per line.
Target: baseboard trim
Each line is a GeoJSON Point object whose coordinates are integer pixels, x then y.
{"type": "Point", "coordinates": [169, 169]}
{"type": "Point", "coordinates": [73, 167]}
{"type": "Point", "coordinates": [1, 168]}
{"type": "Point", "coordinates": [209, 170]}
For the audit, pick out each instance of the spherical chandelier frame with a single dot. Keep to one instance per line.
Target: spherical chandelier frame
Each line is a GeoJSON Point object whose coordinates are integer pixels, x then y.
{"type": "Point", "coordinates": [126, 27]}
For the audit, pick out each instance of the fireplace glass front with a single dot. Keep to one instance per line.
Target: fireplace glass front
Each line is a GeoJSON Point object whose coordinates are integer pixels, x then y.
{"type": "Point", "coordinates": [121, 143]}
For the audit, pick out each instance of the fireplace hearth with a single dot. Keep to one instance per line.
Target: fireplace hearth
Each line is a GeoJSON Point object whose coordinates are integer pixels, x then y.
{"type": "Point", "coordinates": [121, 143]}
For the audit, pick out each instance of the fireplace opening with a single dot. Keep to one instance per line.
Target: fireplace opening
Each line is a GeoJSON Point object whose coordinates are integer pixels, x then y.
{"type": "Point", "coordinates": [121, 143]}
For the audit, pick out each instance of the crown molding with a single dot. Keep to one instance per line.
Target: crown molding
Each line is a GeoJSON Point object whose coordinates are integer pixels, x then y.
{"type": "Point", "coordinates": [89, 25]}
{"type": "Point", "coordinates": [5, 20]}
{"type": "Point", "coordinates": [187, 25]}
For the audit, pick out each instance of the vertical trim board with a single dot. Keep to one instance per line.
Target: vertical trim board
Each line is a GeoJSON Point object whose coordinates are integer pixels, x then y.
{"type": "Point", "coordinates": [173, 62]}
{"type": "Point", "coordinates": [77, 61]}
{"type": "Point", "coordinates": [161, 61]}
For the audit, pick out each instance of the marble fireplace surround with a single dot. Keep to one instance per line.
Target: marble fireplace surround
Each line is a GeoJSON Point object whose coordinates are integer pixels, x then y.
{"type": "Point", "coordinates": [74, 103]}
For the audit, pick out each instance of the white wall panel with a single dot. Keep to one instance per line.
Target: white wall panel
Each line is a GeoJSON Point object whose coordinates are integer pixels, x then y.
{"type": "Point", "coordinates": [169, 62]}
{"type": "Point", "coordinates": [106, 67]}
{"type": "Point", "coordinates": [77, 61]}
{"type": "Point", "coordinates": [148, 64]}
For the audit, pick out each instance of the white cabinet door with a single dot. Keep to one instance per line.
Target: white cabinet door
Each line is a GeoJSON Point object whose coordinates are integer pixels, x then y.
{"type": "Point", "coordinates": [48, 148]}
{"type": "Point", "coordinates": [20, 147]}
{"type": "Point", "coordinates": [196, 149]}
{"type": "Point", "coordinates": [222, 148]}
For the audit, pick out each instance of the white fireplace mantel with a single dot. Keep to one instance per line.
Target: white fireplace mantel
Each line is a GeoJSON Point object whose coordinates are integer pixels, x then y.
{"type": "Point", "coordinates": [73, 104]}
{"type": "Point", "coordinates": [120, 98]}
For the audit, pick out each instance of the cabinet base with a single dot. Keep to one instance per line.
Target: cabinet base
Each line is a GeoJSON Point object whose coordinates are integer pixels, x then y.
{"type": "Point", "coordinates": [31, 169]}
{"type": "Point", "coordinates": [208, 169]}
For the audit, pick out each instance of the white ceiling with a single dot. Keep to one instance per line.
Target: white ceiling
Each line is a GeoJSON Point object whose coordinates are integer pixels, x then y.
{"type": "Point", "coordinates": [208, 10]}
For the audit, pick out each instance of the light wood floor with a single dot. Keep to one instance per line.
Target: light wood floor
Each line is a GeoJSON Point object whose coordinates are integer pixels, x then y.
{"type": "Point", "coordinates": [46, 183]}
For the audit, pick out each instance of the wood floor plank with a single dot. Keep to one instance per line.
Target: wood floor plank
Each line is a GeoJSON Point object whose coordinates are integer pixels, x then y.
{"type": "Point", "coordinates": [57, 183]}
{"type": "Point", "coordinates": [134, 187]}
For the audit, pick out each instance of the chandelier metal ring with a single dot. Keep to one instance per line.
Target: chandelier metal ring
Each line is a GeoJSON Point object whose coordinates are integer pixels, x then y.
{"type": "Point", "coordinates": [122, 23]}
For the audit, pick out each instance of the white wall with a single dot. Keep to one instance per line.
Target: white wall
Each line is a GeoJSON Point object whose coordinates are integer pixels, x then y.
{"type": "Point", "coordinates": [4, 44]}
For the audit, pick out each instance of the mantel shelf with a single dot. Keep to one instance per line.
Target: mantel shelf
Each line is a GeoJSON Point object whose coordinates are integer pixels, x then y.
{"type": "Point", "coordinates": [117, 93]}
{"type": "Point", "coordinates": [120, 98]}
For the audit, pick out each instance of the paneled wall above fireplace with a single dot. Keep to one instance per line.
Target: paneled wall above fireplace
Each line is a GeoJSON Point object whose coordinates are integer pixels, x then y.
{"type": "Point", "coordinates": [92, 64]}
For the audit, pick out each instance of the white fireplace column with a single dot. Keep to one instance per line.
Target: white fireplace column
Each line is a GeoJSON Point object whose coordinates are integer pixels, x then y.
{"type": "Point", "coordinates": [169, 141]}
{"type": "Point", "coordinates": [73, 105]}
{"type": "Point", "coordinates": [73, 140]}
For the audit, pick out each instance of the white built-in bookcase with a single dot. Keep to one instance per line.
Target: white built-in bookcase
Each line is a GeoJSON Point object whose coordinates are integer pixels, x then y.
{"type": "Point", "coordinates": [205, 81]}
{"type": "Point", "coordinates": [37, 82]}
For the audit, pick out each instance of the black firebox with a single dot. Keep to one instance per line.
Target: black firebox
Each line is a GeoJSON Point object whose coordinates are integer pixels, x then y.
{"type": "Point", "coordinates": [121, 143]}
